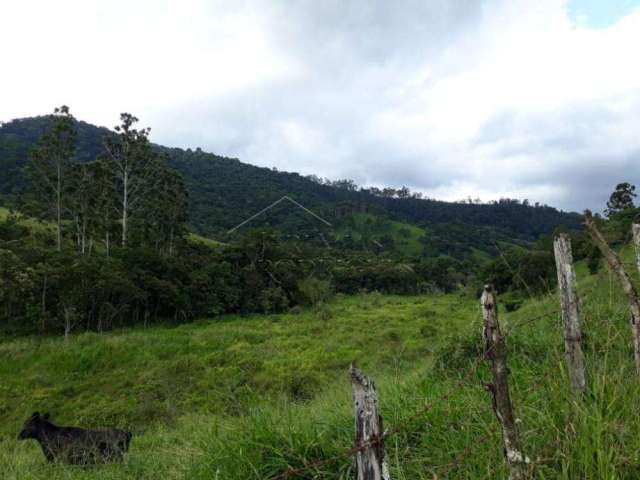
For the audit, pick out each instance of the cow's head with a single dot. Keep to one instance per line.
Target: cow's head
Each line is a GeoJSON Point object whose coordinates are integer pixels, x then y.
{"type": "Point", "coordinates": [33, 426]}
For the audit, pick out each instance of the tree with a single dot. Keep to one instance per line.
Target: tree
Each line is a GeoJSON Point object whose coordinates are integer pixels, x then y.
{"type": "Point", "coordinates": [388, 192]}
{"type": "Point", "coordinates": [82, 200]}
{"type": "Point", "coordinates": [621, 199]}
{"type": "Point", "coordinates": [51, 161]}
{"type": "Point", "coordinates": [404, 192]}
{"type": "Point", "coordinates": [345, 184]}
{"type": "Point", "coordinates": [165, 210]}
{"type": "Point", "coordinates": [134, 164]}
{"type": "Point", "coordinates": [106, 204]}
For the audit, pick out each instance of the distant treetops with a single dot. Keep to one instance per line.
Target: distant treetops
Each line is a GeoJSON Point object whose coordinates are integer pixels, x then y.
{"type": "Point", "coordinates": [126, 191]}
{"type": "Point", "coordinates": [621, 199]}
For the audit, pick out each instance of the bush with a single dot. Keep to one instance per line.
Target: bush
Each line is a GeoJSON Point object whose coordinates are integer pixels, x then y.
{"type": "Point", "coordinates": [314, 290]}
{"type": "Point", "coordinates": [323, 312]}
{"type": "Point", "coordinates": [273, 300]}
{"type": "Point", "coordinates": [458, 352]}
{"type": "Point", "coordinates": [511, 302]}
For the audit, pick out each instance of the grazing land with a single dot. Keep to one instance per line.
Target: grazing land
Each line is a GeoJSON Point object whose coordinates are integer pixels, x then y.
{"type": "Point", "coordinates": [247, 397]}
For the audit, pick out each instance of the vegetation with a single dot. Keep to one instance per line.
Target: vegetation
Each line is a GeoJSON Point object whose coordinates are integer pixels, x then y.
{"type": "Point", "coordinates": [51, 167]}
{"type": "Point", "coordinates": [47, 291]}
{"type": "Point", "coordinates": [259, 386]}
{"type": "Point", "coordinates": [223, 192]}
{"type": "Point", "coordinates": [248, 397]}
{"type": "Point", "coordinates": [621, 199]}
{"type": "Point", "coordinates": [366, 231]}
{"type": "Point", "coordinates": [156, 274]}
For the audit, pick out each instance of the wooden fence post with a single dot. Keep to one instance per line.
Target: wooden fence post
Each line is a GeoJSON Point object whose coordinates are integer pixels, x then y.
{"type": "Point", "coordinates": [635, 228]}
{"type": "Point", "coordinates": [570, 313]}
{"type": "Point", "coordinates": [616, 266]}
{"type": "Point", "coordinates": [496, 352]}
{"type": "Point", "coordinates": [369, 442]}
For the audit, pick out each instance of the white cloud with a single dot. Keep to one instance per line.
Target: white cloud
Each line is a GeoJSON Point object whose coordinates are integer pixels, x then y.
{"type": "Point", "coordinates": [454, 98]}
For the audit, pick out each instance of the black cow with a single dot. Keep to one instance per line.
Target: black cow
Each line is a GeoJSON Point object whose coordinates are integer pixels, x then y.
{"type": "Point", "coordinates": [76, 445]}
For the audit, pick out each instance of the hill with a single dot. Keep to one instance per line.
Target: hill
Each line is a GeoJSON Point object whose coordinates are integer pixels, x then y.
{"type": "Point", "coordinates": [250, 397]}
{"type": "Point", "coordinates": [224, 192]}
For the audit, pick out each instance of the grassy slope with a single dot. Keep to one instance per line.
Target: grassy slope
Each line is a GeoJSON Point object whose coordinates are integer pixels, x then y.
{"type": "Point", "coordinates": [406, 237]}
{"type": "Point", "coordinates": [37, 226]}
{"type": "Point", "coordinates": [209, 242]}
{"type": "Point", "coordinates": [245, 397]}
{"type": "Point", "coordinates": [32, 223]}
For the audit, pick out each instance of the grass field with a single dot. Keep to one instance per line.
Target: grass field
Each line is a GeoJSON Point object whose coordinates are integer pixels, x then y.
{"type": "Point", "coordinates": [209, 242]}
{"type": "Point", "coordinates": [246, 397]}
{"type": "Point", "coordinates": [34, 225]}
{"type": "Point", "coordinates": [367, 227]}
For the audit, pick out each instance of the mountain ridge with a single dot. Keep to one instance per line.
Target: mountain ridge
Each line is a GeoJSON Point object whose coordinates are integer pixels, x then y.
{"type": "Point", "coordinates": [225, 191]}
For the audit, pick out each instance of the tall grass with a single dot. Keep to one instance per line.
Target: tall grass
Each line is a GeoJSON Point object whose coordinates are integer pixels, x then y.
{"type": "Point", "coordinates": [250, 397]}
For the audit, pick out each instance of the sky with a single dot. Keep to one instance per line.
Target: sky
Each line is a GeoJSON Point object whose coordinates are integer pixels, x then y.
{"type": "Point", "coordinates": [453, 98]}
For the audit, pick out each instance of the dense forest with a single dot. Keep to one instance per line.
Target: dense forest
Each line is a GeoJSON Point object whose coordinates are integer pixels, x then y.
{"type": "Point", "coordinates": [97, 233]}
{"type": "Point", "coordinates": [223, 192]}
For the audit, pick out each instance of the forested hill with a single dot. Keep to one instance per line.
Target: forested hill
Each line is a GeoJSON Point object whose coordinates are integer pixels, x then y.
{"type": "Point", "coordinates": [225, 191]}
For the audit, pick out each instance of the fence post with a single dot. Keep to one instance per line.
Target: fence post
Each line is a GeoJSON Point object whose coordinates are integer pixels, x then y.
{"type": "Point", "coordinates": [496, 352]}
{"type": "Point", "coordinates": [570, 312]}
{"type": "Point", "coordinates": [369, 442]}
{"type": "Point", "coordinates": [635, 228]}
{"type": "Point", "coordinates": [616, 266]}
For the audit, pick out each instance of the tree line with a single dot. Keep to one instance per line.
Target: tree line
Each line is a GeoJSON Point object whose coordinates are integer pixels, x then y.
{"type": "Point", "coordinates": [519, 272]}
{"type": "Point", "coordinates": [224, 191]}
{"type": "Point", "coordinates": [127, 192]}
{"type": "Point", "coordinates": [113, 251]}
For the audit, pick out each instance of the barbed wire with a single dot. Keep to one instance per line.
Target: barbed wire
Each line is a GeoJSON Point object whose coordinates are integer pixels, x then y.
{"type": "Point", "coordinates": [399, 428]}
{"type": "Point", "coordinates": [403, 426]}
{"type": "Point", "coordinates": [522, 323]}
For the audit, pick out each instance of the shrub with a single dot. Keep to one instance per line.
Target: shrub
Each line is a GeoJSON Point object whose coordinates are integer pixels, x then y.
{"type": "Point", "coordinates": [511, 302]}
{"type": "Point", "coordinates": [458, 351]}
{"type": "Point", "coordinates": [323, 312]}
{"type": "Point", "coordinates": [428, 331]}
{"type": "Point", "coordinates": [273, 300]}
{"type": "Point", "coordinates": [314, 290]}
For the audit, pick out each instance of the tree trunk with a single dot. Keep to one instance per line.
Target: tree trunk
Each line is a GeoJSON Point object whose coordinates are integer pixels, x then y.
{"type": "Point", "coordinates": [636, 241]}
{"type": "Point", "coordinates": [59, 208]}
{"type": "Point", "coordinates": [83, 233]}
{"type": "Point", "coordinates": [369, 442]}
{"type": "Point", "coordinates": [495, 350]}
{"type": "Point", "coordinates": [44, 302]}
{"type": "Point", "coordinates": [125, 207]}
{"type": "Point", "coordinates": [68, 323]}
{"type": "Point", "coordinates": [570, 312]}
{"type": "Point", "coordinates": [616, 266]}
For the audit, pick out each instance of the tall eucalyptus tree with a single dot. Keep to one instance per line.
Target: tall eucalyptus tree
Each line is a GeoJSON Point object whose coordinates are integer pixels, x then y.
{"type": "Point", "coordinates": [134, 164]}
{"type": "Point", "coordinates": [51, 163]}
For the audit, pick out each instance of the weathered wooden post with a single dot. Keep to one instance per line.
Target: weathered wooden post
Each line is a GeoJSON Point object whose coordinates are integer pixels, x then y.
{"type": "Point", "coordinates": [570, 312]}
{"type": "Point", "coordinates": [616, 266]}
{"type": "Point", "coordinates": [495, 350]}
{"type": "Point", "coordinates": [369, 442]}
{"type": "Point", "coordinates": [635, 228]}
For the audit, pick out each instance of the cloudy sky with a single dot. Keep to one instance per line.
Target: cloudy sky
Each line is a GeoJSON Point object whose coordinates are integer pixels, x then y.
{"type": "Point", "coordinates": [456, 98]}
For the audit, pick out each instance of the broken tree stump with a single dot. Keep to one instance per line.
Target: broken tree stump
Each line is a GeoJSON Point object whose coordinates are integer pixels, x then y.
{"type": "Point", "coordinates": [616, 266]}
{"type": "Point", "coordinates": [369, 441]}
{"type": "Point", "coordinates": [495, 351]}
{"type": "Point", "coordinates": [570, 312]}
